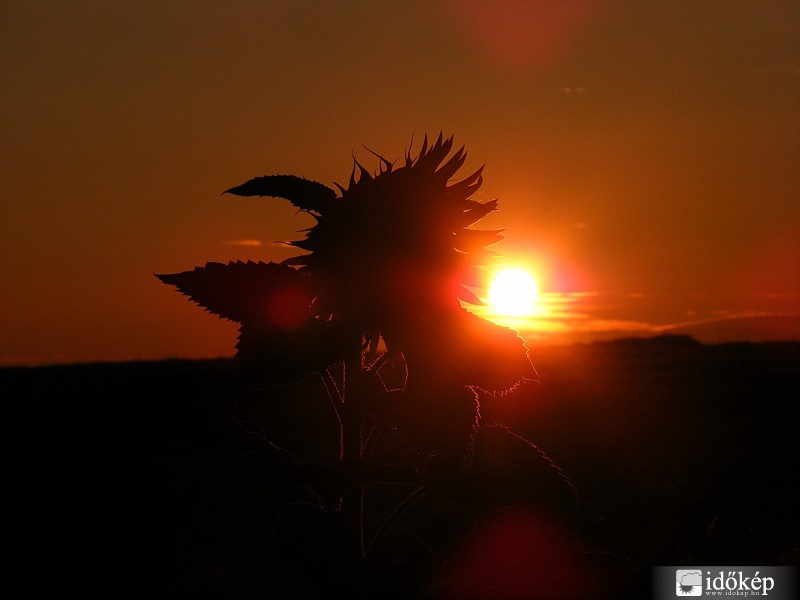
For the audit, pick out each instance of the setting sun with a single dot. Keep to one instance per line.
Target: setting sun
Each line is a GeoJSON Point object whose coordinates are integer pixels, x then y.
{"type": "Point", "coordinates": [513, 293]}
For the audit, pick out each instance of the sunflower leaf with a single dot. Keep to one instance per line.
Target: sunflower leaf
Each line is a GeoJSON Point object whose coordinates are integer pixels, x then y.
{"type": "Point", "coordinates": [508, 470]}
{"type": "Point", "coordinates": [243, 291]}
{"type": "Point", "coordinates": [465, 350]}
{"type": "Point", "coordinates": [279, 340]}
{"type": "Point", "coordinates": [303, 193]}
{"type": "Point", "coordinates": [268, 356]}
{"type": "Point", "coordinates": [432, 418]}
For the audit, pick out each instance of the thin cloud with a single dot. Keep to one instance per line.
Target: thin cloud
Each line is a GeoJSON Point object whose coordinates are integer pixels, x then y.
{"type": "Point", "coordinates": [733, 316]}
{"type": "Point", "coordinates": [244, 243]}
{"type": "Point", "coordinates": [620, 325]}
{"type": "Point", "coordinates": [586, 315]}
{"type": "Point", "coordinates": [255, 244]}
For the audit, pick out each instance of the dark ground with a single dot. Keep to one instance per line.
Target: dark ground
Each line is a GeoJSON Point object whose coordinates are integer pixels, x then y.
{"type": "Point", "coordinates": [131, 480]}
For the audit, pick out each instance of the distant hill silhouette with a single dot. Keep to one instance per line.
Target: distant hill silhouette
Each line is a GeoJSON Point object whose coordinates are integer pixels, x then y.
{"type": "Point", "coordinates": [668, 341]}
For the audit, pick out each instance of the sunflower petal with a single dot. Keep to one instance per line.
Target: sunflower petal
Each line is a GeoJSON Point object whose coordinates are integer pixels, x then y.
{"type": "Point", "coordinates": [466, 295]}
{"type": "Point", "coordinates": [451, 166]}
{"type": "Point", "coordinates": [475, 211]}
{"type": "Point", "coordinates": [427, 162]}
{"type": "Point", "coordinates": [473, 240]}
{"type": "Point", "coordinates": [466, 187]}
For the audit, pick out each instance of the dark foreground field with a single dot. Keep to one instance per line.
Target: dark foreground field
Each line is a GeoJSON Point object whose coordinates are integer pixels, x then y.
{"type": "Point", "coordinates": [132, 480]}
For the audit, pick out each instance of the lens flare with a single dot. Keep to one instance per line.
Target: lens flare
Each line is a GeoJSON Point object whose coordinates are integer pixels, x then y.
{"type": "Point", "coordinates": [513, 293]}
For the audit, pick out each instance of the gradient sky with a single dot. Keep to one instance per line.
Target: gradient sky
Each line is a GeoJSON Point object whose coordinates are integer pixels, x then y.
{"type": "Point", "coordinates": [640, 149]}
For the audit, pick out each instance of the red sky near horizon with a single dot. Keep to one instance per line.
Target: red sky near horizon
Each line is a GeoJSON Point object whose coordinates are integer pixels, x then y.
{"type": "Point", "coordinates": [640, 150]}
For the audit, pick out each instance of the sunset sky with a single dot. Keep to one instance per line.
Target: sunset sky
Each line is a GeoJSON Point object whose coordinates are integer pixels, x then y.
{"type": "Point", "coordinates": [646, 154]}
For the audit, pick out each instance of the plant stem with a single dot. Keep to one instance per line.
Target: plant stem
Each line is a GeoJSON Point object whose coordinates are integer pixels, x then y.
{"type": "Point", "coordinates": [351, 525]}
{"type": "Point", "coordinates": [352, 409]}
{"type": "Point", "coordinates": [336, 399]}
{"type": "Point", "coordinates": [409, 501]}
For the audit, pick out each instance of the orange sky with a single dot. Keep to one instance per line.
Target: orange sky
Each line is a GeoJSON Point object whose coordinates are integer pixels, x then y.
{"type": "Point", "coordinates": [645, 151]}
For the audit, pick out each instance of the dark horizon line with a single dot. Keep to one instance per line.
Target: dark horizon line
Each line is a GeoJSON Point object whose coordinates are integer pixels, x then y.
{"type": "Point", "coordinates": [659, 339]}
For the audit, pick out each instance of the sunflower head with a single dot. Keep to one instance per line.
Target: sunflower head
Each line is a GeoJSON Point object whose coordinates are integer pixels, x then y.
{"type": "Point", "coordinates": [394, 242]}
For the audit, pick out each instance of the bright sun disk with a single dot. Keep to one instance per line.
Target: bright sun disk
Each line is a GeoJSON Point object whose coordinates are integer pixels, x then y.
{"type": "Point", "coordinates": [513, 293]}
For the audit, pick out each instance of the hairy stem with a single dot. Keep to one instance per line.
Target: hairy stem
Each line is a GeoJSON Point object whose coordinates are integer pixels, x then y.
{"type": "Point", "coordinates": [336, 399]}
{"type": "Point", "coordinates": [351, 525]}
{"type": "Point", "coordinates": [398, 512]}
{"type": "Point", "coordinates": [374, 433]}
{"type": "Point", "coordinates": [352, 412]}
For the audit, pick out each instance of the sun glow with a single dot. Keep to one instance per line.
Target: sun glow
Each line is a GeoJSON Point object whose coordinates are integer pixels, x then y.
{"type": "Point", "coordinates": [513, 293]}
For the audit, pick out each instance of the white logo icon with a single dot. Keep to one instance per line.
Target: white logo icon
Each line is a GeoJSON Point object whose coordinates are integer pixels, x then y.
{"type": "Point", "coordinates": [688, 582]}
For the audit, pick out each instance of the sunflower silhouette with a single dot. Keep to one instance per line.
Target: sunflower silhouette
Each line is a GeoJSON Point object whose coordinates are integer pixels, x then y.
{"type": "Point", "coordinates": [373, 304]}
{"type": "Point", "coordinates": [391, 256]}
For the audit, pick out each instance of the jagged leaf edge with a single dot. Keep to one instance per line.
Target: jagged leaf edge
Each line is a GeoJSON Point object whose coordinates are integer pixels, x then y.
{"type": "Point", "coordinates": [305, 194]}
